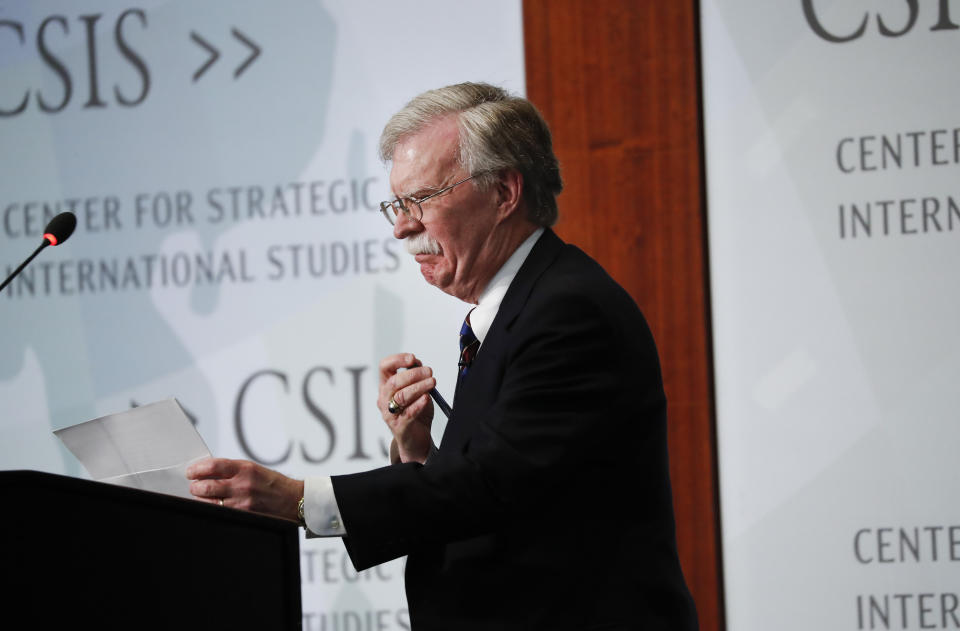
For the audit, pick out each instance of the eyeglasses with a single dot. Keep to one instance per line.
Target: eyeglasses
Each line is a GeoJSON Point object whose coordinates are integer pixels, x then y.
{"type": "Point", "coordinates": [411, 206]}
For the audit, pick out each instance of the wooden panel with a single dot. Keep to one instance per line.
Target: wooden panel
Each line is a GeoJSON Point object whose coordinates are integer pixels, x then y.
{"type": "Point", "coordinates": [618, 82]}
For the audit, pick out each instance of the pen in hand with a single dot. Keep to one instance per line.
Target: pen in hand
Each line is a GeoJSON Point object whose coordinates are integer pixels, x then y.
{"type": "Point", "coordinates": [438, 399]}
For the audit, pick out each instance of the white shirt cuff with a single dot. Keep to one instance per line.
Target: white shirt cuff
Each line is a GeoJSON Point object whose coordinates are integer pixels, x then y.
{"type": "Point", "coordinates": [320, 509]}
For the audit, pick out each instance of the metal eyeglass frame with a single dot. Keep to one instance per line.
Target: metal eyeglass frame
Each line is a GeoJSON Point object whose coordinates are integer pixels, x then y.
{"type": "Point", "coordinates": [391, 210]}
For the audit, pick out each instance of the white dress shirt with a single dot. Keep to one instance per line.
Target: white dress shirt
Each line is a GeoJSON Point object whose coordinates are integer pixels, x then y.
{"type": "Point", "coordinates": [320, 509]}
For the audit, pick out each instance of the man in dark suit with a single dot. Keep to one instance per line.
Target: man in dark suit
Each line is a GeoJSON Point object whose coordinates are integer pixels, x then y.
{"type": "Point", "coordinates": [547, 504]}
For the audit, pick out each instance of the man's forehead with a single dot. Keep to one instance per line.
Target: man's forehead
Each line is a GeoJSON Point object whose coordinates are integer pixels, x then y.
{"type": "Point", "coordinates": [425, 158]}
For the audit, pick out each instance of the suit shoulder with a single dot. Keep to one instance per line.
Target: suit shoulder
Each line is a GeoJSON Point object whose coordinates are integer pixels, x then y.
{"type": "Point", "coordinates": [575, 276]}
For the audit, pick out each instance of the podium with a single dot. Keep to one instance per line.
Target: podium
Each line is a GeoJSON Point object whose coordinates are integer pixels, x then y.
{"type": "Point", "coordinates": [79, 552]}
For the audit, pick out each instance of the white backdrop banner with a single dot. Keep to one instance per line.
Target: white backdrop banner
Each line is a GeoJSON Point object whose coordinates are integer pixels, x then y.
{"type": "Point", "coordinates": [221, 160]}
{"type": "Point", "coordinates": [833, 155]}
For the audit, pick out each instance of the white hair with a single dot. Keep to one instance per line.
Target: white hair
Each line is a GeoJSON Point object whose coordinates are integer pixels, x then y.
{"type": "Point", "coordinates": [498, 131]}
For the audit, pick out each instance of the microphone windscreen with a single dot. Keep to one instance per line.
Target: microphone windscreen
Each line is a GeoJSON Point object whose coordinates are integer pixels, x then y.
{"type": "Point", "coordinates": [60, 228]}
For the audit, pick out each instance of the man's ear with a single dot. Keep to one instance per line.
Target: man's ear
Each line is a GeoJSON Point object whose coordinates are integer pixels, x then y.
{"type": "Point", "coordinates": [509, 188]}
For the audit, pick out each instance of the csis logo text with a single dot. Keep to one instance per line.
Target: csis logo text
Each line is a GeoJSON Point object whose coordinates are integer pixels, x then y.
{"type": "Point", "coordinates": [935, 16]}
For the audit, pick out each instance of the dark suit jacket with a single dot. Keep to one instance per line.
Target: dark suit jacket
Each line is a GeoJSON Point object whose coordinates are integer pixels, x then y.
{"type": "Point", "coordinates": [549, 504]}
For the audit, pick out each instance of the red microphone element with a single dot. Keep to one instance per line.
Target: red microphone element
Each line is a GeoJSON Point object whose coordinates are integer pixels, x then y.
{"type": "Point", "coordinates": [60, 228]}
{"type": "Point", "coordinates": [57, 231]}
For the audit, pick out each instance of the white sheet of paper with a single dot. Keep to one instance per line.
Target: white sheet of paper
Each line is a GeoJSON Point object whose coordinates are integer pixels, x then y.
{"type": "Point", "coordinates": [147, 447]}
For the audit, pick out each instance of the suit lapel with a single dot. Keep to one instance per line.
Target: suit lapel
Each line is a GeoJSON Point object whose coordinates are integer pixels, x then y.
{"type": "Point", "coordinates": [544, 251]}
{"type": "Point", "coordinates": [472, 394]}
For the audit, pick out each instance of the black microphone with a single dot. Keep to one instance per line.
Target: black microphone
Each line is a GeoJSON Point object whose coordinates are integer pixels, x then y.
{"type": "Point", "coordinates": [60, 228]}
{"type": "Point", "coordinates": [57, 231]}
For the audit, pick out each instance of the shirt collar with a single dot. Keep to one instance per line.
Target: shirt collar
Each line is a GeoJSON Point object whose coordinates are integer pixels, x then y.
{"type": "Point", "coordinates": [489, 304]}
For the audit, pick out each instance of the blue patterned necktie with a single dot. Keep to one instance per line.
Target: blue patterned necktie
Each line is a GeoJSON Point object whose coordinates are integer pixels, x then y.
{"type": "Point", "coordinates": [469, 345]}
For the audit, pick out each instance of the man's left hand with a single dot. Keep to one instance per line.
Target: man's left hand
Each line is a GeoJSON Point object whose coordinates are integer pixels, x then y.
{"type": "Point", "coordinates": [404, 381]}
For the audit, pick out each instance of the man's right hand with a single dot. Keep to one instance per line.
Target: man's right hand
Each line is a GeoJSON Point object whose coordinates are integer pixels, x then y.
{"type": "Point", "coordinates": [408, 383]}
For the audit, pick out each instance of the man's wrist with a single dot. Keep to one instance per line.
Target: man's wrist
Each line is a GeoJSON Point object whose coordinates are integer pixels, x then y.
{"type": "Point", "coordinates": [397, 458]}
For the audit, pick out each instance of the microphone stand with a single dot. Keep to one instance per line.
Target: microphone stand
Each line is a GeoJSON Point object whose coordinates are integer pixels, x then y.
{"type": "Point", "coordinates": [25, 263]}
{"type": "Point", "coordinates": [57, 231]}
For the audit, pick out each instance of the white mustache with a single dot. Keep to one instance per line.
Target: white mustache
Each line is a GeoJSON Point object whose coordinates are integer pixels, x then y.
{"type": "Point", "coordinates": [422, 243]}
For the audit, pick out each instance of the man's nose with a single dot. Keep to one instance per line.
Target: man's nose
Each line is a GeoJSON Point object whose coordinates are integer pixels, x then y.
{"type": "Point", "coordinates": [406, 226]}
